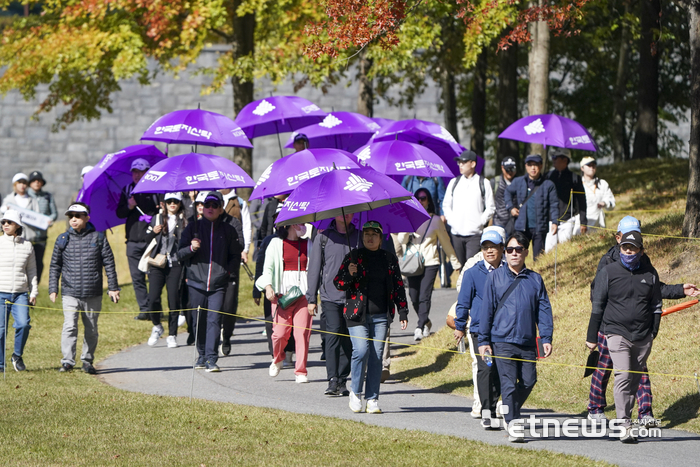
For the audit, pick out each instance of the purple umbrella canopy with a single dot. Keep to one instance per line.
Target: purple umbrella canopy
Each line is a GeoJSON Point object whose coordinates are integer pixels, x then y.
{"type": "Point", "coordinates": [551, 130]}
{"type": "Point", "coordinates": [340, 192]}
{"type": "Point", "coordinates": [342, 130]}
{"type": "Point", "coordinates": [193, 172]}
{"type": "Point", "coordinates": [195, 126]}
{"type": "Point", "coordinates": [404, 216]}
{"type": "Point", "coordinates": [431, 135]}
{"type": "Point", "coordinates": [402, 158]}
{"type": "Point", "coordinates": [284, 175]}
{"type": "Point", "coordinates": [382, 122]}
{"type": "Point", "coordinates": [104, 184]}
{"type": "Point", "coordinates": [278, 114]}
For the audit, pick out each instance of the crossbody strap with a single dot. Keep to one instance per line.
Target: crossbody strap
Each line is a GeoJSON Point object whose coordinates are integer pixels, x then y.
{"type": "Point", "coordinates": [425, 234]}
{"type": "Point", "coordinates": [505, 296]}
{"type": "Point", "coordinates": [530, 195]}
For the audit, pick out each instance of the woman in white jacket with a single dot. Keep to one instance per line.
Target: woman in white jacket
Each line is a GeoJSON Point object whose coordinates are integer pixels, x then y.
{"type": "Point", "coordinates": [420, 288]}
{"type": "Point", "coordinates": [18, 285]}
{"type": "Point", "coordinates": [598, 194]}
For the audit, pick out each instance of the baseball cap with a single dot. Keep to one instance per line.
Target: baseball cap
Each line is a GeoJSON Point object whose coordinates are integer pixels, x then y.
{"type": "Point", "coordinates": [301, 137]}
{"type": "Point", "coordinates": [559, 152]}
{"type": "Point", "coordinates": [587, 160]}
{"type": "Point", "coordinates": [214, 196]}
{"type": "Point", "coordinates": [86, 169]}
{"type": "Point", "coordinates": [508, 162]}
{"type": "Point", "coordinates": [373, 225]}
{"type": "Point", "coordinates": [629, 224]}
{"type": "Point", "coordinates": [633, 238]}
{"type": "Point", "coordinates": [177, 196]}
{"type": "Point", "coordinates": [499, 230]}
{"type": "Point", "coordinates": [536, 158]}
{"type": "Point", "coordinates": [36, 175]}
{"type": "Point", "coordinates": [201, 196]}
{"type": "Point", "coordinates": [491, 236]}
{"type": "Point", "coordinates": [12, 215]}
{"type": "Point", "coordinates": [467, 155]}
{"type": "Point", "coordinates": [19, 176]}
{"type": "Point", "coordinates": [140, 164]}
{"type": "Point", "coordinates": [77, 208]}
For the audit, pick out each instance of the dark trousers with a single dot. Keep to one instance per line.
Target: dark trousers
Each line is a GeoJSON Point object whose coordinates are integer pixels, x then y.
{"type": "Point", "coordinates": [420, 289]}
{"type": "Point", "coordinates": [39, 250]}
{"type": "Point", "coordinates": [487, 381]}
{"type": "Point", "coordinates": [171, 278]}
{"type": "Point", "coordinates": [537, 242]}
{"type": "Point", "coordinates": [324, 327]}
{"type": "Point", "coordinates": [338, 348]}
{"type": "Point", "coordinates": [466, 246]}
{"type": "Point", "coordinates": [134, 252]}
{"type": "Point", "coordinates": [267, 308]}
{"type": "Point", "coordinates": [517, 378]}
{"type": "Point", "coordinates": [208, 327]}
{"type": "Point", "coordinates": [228, 320]}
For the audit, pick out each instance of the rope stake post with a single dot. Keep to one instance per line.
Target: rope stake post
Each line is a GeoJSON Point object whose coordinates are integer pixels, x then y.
{"type": "Point", "coordinates": [194, 362]}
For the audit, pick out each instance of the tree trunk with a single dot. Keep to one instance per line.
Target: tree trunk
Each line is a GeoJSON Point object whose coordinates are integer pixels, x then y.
{"type": "Point", "coordinates": [449, 101]}
{"type": "Point", "coordinates": [646, 136]}
{"type": "Point", "coordinates": [365, 91]}
{"type": "Point", "coordinates": [243, 44]}
{"type": "Point", "coordinates": [691, 223]}
{"type": "Point", "coordinates": [478, 129]}
{"type": "Point", "coordinates": [538, 70]}
{"type": "Point", "coordinates": [619, 137]}
{"type": "Point", "coordinates": [507, 102]}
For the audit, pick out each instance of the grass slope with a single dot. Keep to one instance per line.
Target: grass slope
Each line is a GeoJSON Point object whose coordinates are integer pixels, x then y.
{"type": "Point", "coordinates": [654, 192]}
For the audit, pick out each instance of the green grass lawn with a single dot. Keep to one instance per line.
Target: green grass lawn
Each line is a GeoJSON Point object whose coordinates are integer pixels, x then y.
{"type": "Point", "coordinates": [645, 186]}
{"type": "Point", "coordinates": [51, 418]}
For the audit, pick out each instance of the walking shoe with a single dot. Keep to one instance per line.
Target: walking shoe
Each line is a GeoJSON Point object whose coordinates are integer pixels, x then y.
{"type": "Point", "coordinates": [225, 347]}
{"type": "Point", "coordinates": [211, 367]}
{"type": "Point", "coordinates": [181, 320]}
{"type": "Point", "coordinates": [646, 420]}
{"type": "Point", "coordinates": [18, 363]}
{"type": "Point", "coordinates": [386, 374]}
{"type": "Point", "coordinates": [343, 389]}
{"type": "Point", "coordinates": [373, 406]}
{"type": "Point", "coordinates": [332, 389]}
{"type": "Point", "coordinates": [301, 379]}
{"type": "Point", "coordinates": [89, 369]}
{"type": "Point", "coordinates": [598, 417]}
{"type": "Point", "coordinates": [499, 412]}
{"type": "Point", "coordinates": [486, 424]}
{"type": "Point", "coordinates": [142, 317]}
{"type": "Point", "coordinates": [626, 436]}
{"type": "Point", "coordinates": [155, 335]}
{"type": "Point", "coordinates": [287, 359]}
{"type": "Point", "coordinates": [172, 342]}
{"type": "Point", "coordinates": [275, 368]}
{"type": "Point", "coordinates": [201, 363]}
{"type": "Point", "coordinates": [355, 403]}
{"type": "Point", "coordinates": [426, 329]}
{"type": "Point", "coordinates": [65, 367]}
{"type": "Point", "coordinates": [516, 439]}
{"type": "Point", "coordinates": [475, 413]}
{"type": "Point", "coordinates": [418, 335]}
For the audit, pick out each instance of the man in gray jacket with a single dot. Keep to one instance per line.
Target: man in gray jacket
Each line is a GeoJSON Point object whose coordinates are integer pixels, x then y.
{"type": "Point", "coordinates": [327, 254]}
{"type": "Point", "coordinates": [79, 255]}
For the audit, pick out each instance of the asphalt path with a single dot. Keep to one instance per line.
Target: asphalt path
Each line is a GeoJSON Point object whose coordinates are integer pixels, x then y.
{"type": "Point", "coordinates": [244, 380]}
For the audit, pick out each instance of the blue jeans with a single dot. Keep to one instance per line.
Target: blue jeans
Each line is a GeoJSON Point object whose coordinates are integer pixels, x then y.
{"type": "Point", "coordinates": [20, 314]}
{"type": "Point", "coordinates": [367, 354]}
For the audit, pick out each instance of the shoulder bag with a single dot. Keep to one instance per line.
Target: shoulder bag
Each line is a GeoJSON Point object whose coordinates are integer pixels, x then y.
{"type": "Point", "coordinates": [412, 261]}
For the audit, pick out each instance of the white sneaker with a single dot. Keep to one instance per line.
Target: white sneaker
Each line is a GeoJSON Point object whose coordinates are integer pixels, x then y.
{"type": "Point", "coordinates": [355, 403]}
{"type": "Point", "coordinates": [155, 335]}
{"type": "Point", "coordinates": [418, 334]}
{"type": "Point", "coordinates": [475, 413]}
{"type": "Point", "coordinates": [499, 404]}
{"type": "Point", "coordinates": [426, 329]}
{"type": "Point", "coordinates": [301, 378]}
{"type": "Point", "coordinates": [172, 342]}
{"type": "Point", "coordinates": [275, 368]}
{"type": "Point", "coordinates": [181, 320]}
{"type": "Point", "coordinates": [373, 406]}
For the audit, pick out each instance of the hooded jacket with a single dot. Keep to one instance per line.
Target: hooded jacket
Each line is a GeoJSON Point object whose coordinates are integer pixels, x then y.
{"type": "Point", "coordinates": [17, 266]}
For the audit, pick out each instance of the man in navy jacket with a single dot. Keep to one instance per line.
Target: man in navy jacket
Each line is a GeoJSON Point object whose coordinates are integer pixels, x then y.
{"type": "Point", "coordinates": [510, 326]}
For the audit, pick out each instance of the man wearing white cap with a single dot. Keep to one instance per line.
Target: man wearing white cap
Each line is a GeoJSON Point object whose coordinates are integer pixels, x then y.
{"type": "Point", "coordinates": [599, 196]}
{"type": "Point", "coordinates": [137, 209]}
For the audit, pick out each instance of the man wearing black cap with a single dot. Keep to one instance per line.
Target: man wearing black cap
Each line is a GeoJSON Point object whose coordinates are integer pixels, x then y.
{"type": "Point", "coordinates": [502, 217]}
{"type": "Point", "coordinates": [572, 199]}
{"type": "Point", "coordinates": [47, 207]}
{"type": "Point", "coordinates": [533, 202]}
{"type": "Point", "coordinates": [301, 142]}
{"type": "Point", "coordinates": [468, 207]}
{"type": "Point", "coordinates": [210, 249]}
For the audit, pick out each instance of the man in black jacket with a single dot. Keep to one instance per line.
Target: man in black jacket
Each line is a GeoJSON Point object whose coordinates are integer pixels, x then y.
{"type": "Point", "coordinates": [572, 199]}
{"type": "Point", "coordinates": [137, 209]}
{"type": "Point", "coordinates": [210, 250]}
{"type": "Point", "coordinates": [78, 258]}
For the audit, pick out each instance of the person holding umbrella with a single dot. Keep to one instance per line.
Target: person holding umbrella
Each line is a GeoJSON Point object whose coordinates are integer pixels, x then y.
{"type": "Point", "coordinates": [371, 280]}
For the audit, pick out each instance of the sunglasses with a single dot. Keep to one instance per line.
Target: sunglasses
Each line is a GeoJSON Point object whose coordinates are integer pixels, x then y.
{"type": "Point", "coordinates": [77, 215]}
{"type": "Point", "coordinates": [422, 198]}
{"type": "Point", "coordinates": [517, 249]}
{"type": "Point", "coordinates": [6, 222]}
{"type": "Point", "coordinates": [211, 205]}
{"type": "Point", "coordinates": [171, 201]}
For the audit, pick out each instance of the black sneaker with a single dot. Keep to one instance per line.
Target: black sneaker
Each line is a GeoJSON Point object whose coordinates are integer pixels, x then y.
{"type": "Point", "coordinates": [201, 363]}
{"type": "Point", "coordinates": [332, 389]}
{"type": "Point", "coordinates": [65, 367]}
{"type": "Point", "coordinates": [225, 346]}
{"type": "Point", "coordinates": [212, 367]}
{"type": "Point", "coordinates": [89, 369]}
{"type": "Point", "coordinates": [18, 363]}
{"type": "Point", "coordinates": [342, 389]}
{"type": "Point", "coordinates": [142, 317]}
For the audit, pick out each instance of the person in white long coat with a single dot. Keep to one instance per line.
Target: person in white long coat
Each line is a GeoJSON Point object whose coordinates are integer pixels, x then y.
{"type": "Point", "coordinates": [599, 197]}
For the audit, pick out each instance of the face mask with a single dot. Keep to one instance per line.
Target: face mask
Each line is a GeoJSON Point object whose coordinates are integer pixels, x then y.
{"type": "Point", "coordinates": [631, 262]}
{"type": "Point", "coordinates": [300, 229]}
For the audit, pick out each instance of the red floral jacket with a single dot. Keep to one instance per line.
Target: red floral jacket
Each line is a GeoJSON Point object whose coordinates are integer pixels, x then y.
{"type": "Point", "coordinates": [355, 287]}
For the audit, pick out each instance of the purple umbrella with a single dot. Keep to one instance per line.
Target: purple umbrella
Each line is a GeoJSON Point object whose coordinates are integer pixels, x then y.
{"type": "Point", "coordinates": [342, 130]}
{"type": "Point", "coordinates": [431, 135]}
{"type": "Point", "coordinates": [195, 126]}
{"type": "Point", "coordinates": [193, 172]}
{"type": "Point", "coordinates": [382, 122]}
{"type": "Point", "coordinates": [402, 158]}
{"type": "Point", "coordinates": [278, 114]}
{"type": "Point", "coordinates": [339, 192]}
{"type": "Point", "coordinates": [404, 216]}
{"type": "Point", "coordinates": [104, 184]}
{"type": "Point", "coordinates": [551, 130]}
{"type": "Point", "coordinates": [285, 174]}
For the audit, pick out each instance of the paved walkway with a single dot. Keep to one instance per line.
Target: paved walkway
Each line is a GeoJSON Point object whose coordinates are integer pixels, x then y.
{"type": "Point", "coordinates": [244, 380]}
